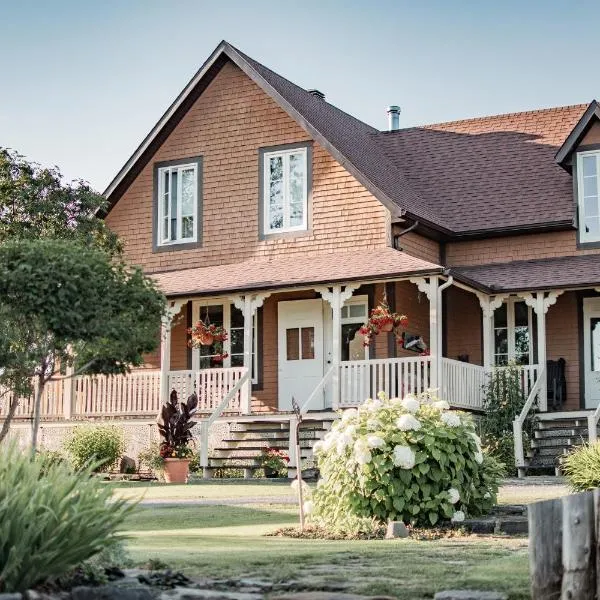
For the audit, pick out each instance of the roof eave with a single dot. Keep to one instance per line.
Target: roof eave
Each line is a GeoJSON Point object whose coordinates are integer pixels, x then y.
{"type": "Point", "coordinates": [577, 133]}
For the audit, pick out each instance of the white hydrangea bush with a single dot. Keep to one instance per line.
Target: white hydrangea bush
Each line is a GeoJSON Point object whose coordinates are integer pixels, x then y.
{"type": "Point", "coordinates": [410, 459]}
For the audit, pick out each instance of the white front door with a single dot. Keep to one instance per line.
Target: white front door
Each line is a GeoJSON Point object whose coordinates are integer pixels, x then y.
{"type": "Point", "coordinates": [591, 351]}
{"type": "Point", "coordinates": [300, 351]}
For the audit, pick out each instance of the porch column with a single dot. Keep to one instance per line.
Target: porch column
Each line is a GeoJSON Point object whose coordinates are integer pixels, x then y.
{"type": "Point", "coordinates": [248, 304]}
{"type": "Point", "coordinates": [336, 356]}
{"type": "Point", "coordinates": [540, 302]}
{"type": "Point", "coordinates": [434, 379]}
{"type": "Point", "coordinates": [165, 347]}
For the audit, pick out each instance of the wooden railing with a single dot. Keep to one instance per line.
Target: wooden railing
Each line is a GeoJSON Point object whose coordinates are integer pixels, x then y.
{"type": "Point", "coordinates": [462, 384]}
{"type": "Point", "coordinates": [362, 379]}
{"type": "Point", "coordinates": [520, 420]}
{"type": "Point", "coordinates": [136, 394]}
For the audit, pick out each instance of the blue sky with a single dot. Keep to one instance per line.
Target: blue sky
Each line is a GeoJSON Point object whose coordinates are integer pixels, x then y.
{"type": "Point", "coordinates": [83, 82]}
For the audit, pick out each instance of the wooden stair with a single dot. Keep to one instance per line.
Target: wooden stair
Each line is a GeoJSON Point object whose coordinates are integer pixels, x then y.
{"type": "Point", "coordinates": [242, 447]}
{"type": "Point", "coordinates": [553, 439]}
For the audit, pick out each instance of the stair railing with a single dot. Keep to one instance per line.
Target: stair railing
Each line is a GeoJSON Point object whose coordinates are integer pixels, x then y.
{"type": "Point", "coordinates": [205, 424]}
{"type": "Point", "coordinates": [520, 420]}
{"type": "Point", "coordinates": [593, 425]}
{"type": "Point", "coordinates": [303, 410]}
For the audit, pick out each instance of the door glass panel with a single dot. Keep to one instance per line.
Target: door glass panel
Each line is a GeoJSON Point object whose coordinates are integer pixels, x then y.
{"type": "Point", "coordinates": [352, 342]}
{"type": "Point", "coordinates": [500, 315]}
{"type": "Point", "coordinates": [357, 310]}
{"type": "Point", "coordinates": [308, 343]}
{"type": "Point", "coordinates": [595, 340]}
{"type": "Point", "coordinates": [210, 355]}
{"type": "Point", "coordinates": [292, 337]}
{"type": "Point", "coordinates": [501, 341]}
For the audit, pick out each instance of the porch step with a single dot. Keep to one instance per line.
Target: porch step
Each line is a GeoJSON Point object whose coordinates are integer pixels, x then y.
{"type": "Point", "coordinates": [243, 445]}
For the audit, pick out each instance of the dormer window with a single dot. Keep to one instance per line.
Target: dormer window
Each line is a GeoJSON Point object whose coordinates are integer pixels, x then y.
{"type": "Point", "coordinates": [588, 172]}
{"type": "Point", "coordinates": [285, 192]}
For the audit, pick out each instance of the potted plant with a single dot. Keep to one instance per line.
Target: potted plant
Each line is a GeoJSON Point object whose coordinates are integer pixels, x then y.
{"type": "Point", "coordinates": [206, 334]}
{"type": "Point", "coordinates": [383, 320]}
{"type": "Point", "coordinates": [175, 427]}
{"type": "Point", "coordinates": [274, 462]}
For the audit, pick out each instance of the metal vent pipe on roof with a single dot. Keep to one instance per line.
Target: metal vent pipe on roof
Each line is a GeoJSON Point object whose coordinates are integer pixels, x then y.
{"type": "Point", "coordinates": [393, 118]}
{"type": "Point", "coordinates": [317, 94]}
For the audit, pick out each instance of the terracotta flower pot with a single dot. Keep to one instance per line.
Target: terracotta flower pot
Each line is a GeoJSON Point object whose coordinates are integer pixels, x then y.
{"type": "Point", "coordinates": [177, 470]}
{"type": "Point", "coordinates": [206, 338]}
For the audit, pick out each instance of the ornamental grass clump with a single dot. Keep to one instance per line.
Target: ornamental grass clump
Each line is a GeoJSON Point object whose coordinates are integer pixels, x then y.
{"type": "Point", "coordinates": [410, 460]}
{"type": "Point", "coordinates": [582, 467]}
{"type": "Point", "coordinates": [52, 518]}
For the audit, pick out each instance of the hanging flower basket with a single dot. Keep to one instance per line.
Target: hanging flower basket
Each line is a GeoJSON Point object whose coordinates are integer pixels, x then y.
{"type": "Point", "coordinates": [382, 320]}
{"type": "Point", "coordinates": [206, 334]}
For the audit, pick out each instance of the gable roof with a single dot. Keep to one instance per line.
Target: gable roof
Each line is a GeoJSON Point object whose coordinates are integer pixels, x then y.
{"type": "Point", "coordinates": [589, 117]}
{"type": "Point", "coordinates": [463, 178]}
{"type": "Point", "coordinates": [350, 141]}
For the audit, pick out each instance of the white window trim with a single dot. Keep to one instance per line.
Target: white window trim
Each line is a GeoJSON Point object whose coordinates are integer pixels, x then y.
{"type": "Point", "coordinates": [286, 204]}
{"type": "Point", "coordinates": [198, 307]}
{"type": "Point", "coordinates": [510, 327]}
{"type": "Point", "coordinates": [583, 236]}
{"type": "Point", "coordinates": [364, 300]}
{"type": "Point", "coordinates": [162, 171]}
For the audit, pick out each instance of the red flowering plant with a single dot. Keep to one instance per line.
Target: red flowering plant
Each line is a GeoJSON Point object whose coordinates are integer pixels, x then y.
{"type": "Point", "coordinates": [208, 334]}
{"type": "Point", "coordinates": [274, 461]}
{"type": "Point", "coordinates": [383, 320]}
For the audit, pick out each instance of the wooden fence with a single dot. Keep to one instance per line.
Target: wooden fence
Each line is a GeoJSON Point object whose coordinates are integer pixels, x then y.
{"type": "Point", "coordinates": [564, 547]}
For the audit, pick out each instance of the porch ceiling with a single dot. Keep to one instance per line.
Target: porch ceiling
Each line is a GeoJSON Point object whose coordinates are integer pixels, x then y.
{"type": "Point", "coordinates": [299, 270]}
{"type": "Point", "coordinates": [582, 271]}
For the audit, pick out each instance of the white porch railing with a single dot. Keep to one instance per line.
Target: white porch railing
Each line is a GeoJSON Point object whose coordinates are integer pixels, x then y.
{"type": "Point", "coordinates": [520, 420]}
{"type": "Point", "coordinates": [51, 405]}
{"type": "Point", "coordinates": [362, 379]}
{"type": "Point", "coordinates": [211, 385]}
{"type": "Point", "coordinates": [462, 384]}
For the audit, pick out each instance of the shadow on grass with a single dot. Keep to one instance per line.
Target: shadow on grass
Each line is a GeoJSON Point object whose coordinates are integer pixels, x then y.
{"type": "Point", "coordinates": [205, 517]}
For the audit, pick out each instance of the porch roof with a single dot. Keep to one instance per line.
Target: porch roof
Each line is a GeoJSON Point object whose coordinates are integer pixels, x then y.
{"type": "Point", "coordinates": [580, 271]}
{"type": "Point", "coordinates": [303, 269]}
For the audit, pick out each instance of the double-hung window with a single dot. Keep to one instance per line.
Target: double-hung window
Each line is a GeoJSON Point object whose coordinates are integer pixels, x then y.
{"type": "Point", "coordinates": [513, 333]}
{"type": "Point", "coordinates": [285, 190]}
{"type": "Point", "coordinates": [588, 191]}
{"type": "Point", "coordinates": [177, 196]}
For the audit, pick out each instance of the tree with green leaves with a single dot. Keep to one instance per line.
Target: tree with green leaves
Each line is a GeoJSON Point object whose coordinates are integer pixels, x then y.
{"type": "Point", "coordinates": [66, 304]}
{"type": "Point", "coordinates": [36, 202]}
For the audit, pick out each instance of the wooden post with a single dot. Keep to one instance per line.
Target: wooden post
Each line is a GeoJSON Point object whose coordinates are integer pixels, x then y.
{"type": "Point", "coordinates": [246, 394]}
{"type": "Point", "coordinates": [540, 310]}
{"type": "Point", "coordinates": [578, 547]}
{"type": "Point", "coordinates": [336, 307]}
{"type": "Point", "coordinates": [165, 358]}
{"type": "Point", "coordinates": [545, 549]}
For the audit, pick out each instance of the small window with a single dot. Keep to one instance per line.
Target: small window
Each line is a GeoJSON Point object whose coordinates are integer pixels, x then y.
{"type": "Point", "coordinates": [177, 204]}
{"type": "Point", "coordinates": [285, 192]}
{"type": "Point", "coordinates": [588, 190]}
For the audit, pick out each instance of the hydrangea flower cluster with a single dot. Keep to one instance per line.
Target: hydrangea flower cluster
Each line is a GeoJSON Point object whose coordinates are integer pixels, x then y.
{"type": "Point", "coordinates": [411, 459]}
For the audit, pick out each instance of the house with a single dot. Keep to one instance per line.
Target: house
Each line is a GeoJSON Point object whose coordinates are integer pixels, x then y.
{"type": "Point", "coordinates": [259, 206]}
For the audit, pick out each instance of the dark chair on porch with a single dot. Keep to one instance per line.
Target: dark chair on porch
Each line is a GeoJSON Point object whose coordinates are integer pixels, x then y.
{"type": "Point", "coordinates": [557, 384]}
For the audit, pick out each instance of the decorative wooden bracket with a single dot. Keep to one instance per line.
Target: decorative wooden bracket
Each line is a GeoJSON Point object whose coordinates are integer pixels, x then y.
{"type": "Point", "coordinates": [490, 303]}
{"type": "Point", "coordinates": [423, 284]}
{"type": "Point", "coordinates": [345, 293]}
{"type": "Point", "coordinates": [256, 301]}
{"type": "Point", "coordinates": [173, 309]}
{"type": "Point", "coordinates": [547, 301]}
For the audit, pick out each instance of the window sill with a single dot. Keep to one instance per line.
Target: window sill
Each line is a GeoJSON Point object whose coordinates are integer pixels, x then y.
{"type": "Point", "coordinates": [297, 233]}
{"type": "Point", "coordinates": [176, 247]}
{"type": "Point", "coordinates": [584, 245]}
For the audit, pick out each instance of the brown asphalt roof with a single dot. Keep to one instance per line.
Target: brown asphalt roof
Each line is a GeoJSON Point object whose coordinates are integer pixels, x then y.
{"type": "Point", "coordinates": [490, 173]}
{"type": "Point", "coordinates": [458, 178]}
{"type": "Point", "coordinates": [543, 274]}
{"type": "Point", "coordinates": [382, 263]}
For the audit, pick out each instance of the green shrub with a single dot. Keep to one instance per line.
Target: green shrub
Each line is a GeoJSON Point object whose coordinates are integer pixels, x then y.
{"type": "Point", "coordinates": [502, 403]}
{"type": "Point", "coordinates": [582, 467]}
{"type": "Point", "coordinates": [99, 444]}
{"type": "Point", "coordinates": [52, 518]}
{"type": "Point", "coordinates": [410, 460]}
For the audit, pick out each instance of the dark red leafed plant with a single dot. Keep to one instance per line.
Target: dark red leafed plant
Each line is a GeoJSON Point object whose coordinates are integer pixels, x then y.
{"type": "Point", "coordinates": [175, 426]}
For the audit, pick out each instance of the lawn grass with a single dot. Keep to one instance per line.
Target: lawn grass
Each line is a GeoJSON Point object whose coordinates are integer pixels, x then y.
{"type": "Point", "coordinates": [200, 490]}
{"type": "Point", "coordinates": [230, 541]}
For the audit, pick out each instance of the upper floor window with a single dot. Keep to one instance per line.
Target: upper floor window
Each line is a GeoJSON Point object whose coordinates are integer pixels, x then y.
{"type": "Point", "coordinates": [588, 172]}
{"type": "Point", "coordinates": [177, 207]}
{"type": "Point", "coordinates": [285, 190]}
